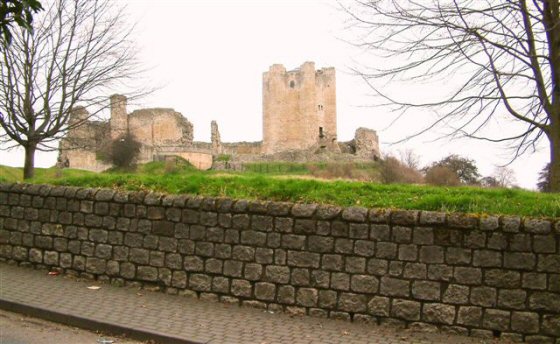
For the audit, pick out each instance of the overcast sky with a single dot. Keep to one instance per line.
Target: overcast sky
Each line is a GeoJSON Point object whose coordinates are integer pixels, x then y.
{"type": "Point", "coordinates": [209, 56]}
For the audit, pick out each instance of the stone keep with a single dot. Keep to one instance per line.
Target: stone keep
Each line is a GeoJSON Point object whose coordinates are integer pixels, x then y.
{"type": "Point", "coordinates": [299, 109]}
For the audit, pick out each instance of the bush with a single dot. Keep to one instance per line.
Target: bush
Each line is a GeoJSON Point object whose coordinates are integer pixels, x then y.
{"type": "Point", "coordinates": [489, 182]}
{"type": "Point", "coordinates": [465, 169]}
{"type": "Point", "coordinates": [442, 176]}
{"type": "Point", "coordinates": [223, 157]}
{"type": "Point", "coordinates": [121, 152]}
{"type": "Point", "coordinates": [394, 171]}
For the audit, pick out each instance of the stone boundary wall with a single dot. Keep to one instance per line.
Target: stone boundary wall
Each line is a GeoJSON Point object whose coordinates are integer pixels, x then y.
{"type": "Point", "coordinates": [483, 276]}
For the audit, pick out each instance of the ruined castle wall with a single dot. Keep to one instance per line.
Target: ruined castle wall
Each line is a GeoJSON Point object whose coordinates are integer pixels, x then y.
{"type": "Point", "coordinates": [299, 121]}
{"type": "Point", "coordinates": [367, 143]}
{"type": "Point", "coordinates": [199, 146]}
{"type": "Point", "coordinates": [85, 160]}
{"type": "Point", "coordinates": [199, 155]}
{"type": "Point", "coordinates": [119, 118]}
{"type": "Point", "coordinates": [146, 154]}
{"type": "Point", "coordinates": [326, 101]}
{"type": "Point", "coordinates": [79, 148]}
{"type": "Point", "coordinates": [160, 127]}
{"type": "Point", "coordinates": [242, 148]}
{"type": "Point", "coordinates": [476, 275]}
{"type": "Point", "coordinates": [202, 161]}
{"type": "Point", "coordinates": [161, 132]}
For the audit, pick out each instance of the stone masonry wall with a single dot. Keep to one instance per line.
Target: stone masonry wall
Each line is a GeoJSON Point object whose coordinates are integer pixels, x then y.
{"type": "Point", "coordinates": [488, 276]}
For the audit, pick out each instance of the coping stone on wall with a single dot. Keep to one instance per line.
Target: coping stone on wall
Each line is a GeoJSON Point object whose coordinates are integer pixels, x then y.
{"type": "Point", "coordinates": [432, 218]}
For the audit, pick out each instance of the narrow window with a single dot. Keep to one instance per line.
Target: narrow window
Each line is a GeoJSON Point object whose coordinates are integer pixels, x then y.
{"type": "Point", "coordinates": [292, 84]}
{"type": "Point", "coordinates": [321, 134]}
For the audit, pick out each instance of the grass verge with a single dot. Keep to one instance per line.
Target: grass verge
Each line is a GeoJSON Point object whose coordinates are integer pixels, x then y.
{"type": "Point", "coordinates": [157, 177]}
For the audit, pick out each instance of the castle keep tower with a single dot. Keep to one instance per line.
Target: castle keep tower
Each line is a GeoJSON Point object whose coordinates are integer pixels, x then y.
{"type": "Point", "coordinates": [119, 118]}
{"type": "Point", "coordinates": [299, 109]}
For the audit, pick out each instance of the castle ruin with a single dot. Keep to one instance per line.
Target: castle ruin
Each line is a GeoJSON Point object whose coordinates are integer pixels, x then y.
{"type": "Point", "coordinates": [299, 124]}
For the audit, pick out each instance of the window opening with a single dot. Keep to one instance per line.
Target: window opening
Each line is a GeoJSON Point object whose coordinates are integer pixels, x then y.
{"type": "Point", "coordinates": [292, 84]}
{"type": "Point", "coordinates": [321, 134]}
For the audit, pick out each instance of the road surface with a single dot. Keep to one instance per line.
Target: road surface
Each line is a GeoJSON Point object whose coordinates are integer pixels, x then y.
{"type": "Point", "coordinates": [19, 329]}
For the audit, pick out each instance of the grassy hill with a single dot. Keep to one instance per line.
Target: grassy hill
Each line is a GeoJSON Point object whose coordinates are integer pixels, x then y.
{"type": "Point", "coordinates": [182, 178]}
{"type": "Point", "coordinates": [42, 175]}
{"type": "Point", "coordinates": [363, 171]}
{"type": "Point", "coordinates": [10, 174]}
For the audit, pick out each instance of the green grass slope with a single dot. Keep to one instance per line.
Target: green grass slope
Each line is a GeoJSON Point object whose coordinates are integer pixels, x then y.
{"type": "Point", "coordinates": [10, 174]}
{"type": "Point", "coordinates": [184, 179]}
{"type": "Point", "coordinates": [42, 175]}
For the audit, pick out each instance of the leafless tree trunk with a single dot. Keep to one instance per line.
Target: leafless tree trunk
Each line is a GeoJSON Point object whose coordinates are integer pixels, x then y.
{"type": "Point", "coordinates": [410, 159]}
{"type": "Point", "coordinates": [76, 52]}
{"type": "Point", "coordinates": [497, 59]}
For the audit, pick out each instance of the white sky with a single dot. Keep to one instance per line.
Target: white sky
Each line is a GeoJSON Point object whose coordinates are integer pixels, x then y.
{"type": "Point", "coordinates": [209, 57]}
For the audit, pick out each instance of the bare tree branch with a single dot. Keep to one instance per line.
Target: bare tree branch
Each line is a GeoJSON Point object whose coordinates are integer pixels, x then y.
{"type": "Point", "coordinates": [503, 57]}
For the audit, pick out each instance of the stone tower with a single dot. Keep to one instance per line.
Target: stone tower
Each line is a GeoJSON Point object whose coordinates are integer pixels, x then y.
{"type": "Point", "coordinates": [299, 109]}
{"type": "Point", "coordinates": [78, 129]}
{"type": "Point", "coordinates": [119, 118]}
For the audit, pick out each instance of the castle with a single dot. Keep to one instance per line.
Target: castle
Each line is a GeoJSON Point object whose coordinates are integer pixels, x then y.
{"type": "Point", "coordinates": [299, 124]}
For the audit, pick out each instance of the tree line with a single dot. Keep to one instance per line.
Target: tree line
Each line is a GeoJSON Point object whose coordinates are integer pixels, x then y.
{"type": "Point", "coordinates": [452, 170]}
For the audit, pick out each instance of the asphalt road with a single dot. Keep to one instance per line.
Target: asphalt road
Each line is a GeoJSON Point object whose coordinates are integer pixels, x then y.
{"type": "Point", "coordinates": [19, 329]}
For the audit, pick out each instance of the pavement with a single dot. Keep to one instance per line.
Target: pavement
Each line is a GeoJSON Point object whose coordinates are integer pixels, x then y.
{"type": "Point", "coordinates": [164, 318]}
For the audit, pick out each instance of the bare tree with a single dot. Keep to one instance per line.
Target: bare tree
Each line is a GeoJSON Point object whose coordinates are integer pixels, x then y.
{"type": "Point", "coordinates": [410, 158]}
{"type": "Point", "coordinates": [505, 176]}
{"type": "Point", "coordinates": [496, 59]}
{"type": "Point", "coordinates": [78, 49]}
{"type": "Point", "coordinates": [502, 177]}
